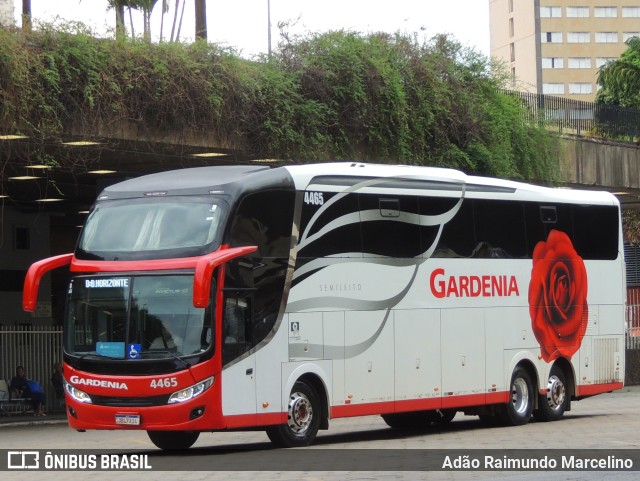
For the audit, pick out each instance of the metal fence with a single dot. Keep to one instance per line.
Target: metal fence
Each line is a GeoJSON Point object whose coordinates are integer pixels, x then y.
{"type": "Point", "coordinates": [35, 348]}
{"type": "Point", "coordinates": [580, 117]}
{"type": "Point", "coordinates": [633, 317]}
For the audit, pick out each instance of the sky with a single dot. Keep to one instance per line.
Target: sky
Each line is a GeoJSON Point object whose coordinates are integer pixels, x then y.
{"type": "Point", "coordinates": [243, 24]}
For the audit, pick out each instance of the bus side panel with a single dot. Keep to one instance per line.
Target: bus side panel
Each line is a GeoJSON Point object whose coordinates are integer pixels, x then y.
{"type": "Point", "coordinates": [268, 379]}
{"type": "Point", "coordinates": [333, 327]}
{"type": "Point", "coordinates": [369, 363]}
{"type": "Point", "coordinates": [497, 322]}
{"type": "Point", "coordinates": [417, 357]}
{"type": "Point", "coordinates": [463, 357]}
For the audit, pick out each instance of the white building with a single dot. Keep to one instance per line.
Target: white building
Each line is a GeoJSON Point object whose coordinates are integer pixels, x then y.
{"type": "Point", "coordinates": [6, 13]}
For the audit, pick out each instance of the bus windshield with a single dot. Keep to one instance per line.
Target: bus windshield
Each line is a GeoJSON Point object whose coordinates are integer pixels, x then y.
{"type": "Point", "coordinates": [135, 317]}
{"type": "Point", "coordinates": [151, 228]}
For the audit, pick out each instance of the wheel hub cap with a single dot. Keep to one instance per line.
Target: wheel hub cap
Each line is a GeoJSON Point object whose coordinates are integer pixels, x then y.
{"type": "Point", "coordinates": [555, 392]}
{"type": "Point", "coordinates": [300, 413]}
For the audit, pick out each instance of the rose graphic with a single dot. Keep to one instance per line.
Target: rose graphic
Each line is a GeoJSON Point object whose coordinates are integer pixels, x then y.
{"type": "Point", "coordinates": [558, 297]}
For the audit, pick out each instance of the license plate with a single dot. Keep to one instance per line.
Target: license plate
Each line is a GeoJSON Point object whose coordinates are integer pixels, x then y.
{"type": "Point", "coordinates": [128, 419]}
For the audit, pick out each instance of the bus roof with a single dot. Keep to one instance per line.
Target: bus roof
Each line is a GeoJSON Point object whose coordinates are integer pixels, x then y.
{"type": "Point", "coordinates": [339, 176]}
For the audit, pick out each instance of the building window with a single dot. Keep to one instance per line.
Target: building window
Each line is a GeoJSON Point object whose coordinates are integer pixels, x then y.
{"type": "Point", "coordinates": [578, 12]}
{"type": "Point", "coordinates": [550, 12]}
{"type": "Point", "coordinates": [631, 12]}
{"type": "Point", "coordinates": [513, 76]}
{"type": "Point", "coordinates": [510, 6]}
{"type": "Point", "coordinates": [578, 37]}
{"type": "Point", "coordinates": [608, 12]}
{"type": "Point", "coordinates": [600, 61]}
{"type": "Point", "coordinates": [551, 37]}
{"type": "Point", "coordinates": [606, 37]}
{"type": "Point", "coordinates": [553, 88]}
{"type": "Point", "coordinates": [579, 62]}
{"type": "Point", "coordinates": [627, 35]}
{"type": "Point", "coordinates": [552, 62]}
{"type": "Point", "coordinates": [511, 28]}
{"type": "Point", "coordinates": [580, 88]}
{"type": "Point", "coordinates": [512, 49]}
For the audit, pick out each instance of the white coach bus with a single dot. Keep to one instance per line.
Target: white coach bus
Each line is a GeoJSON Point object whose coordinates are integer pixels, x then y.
{"type": "Point", "coordinates": [243, 297]}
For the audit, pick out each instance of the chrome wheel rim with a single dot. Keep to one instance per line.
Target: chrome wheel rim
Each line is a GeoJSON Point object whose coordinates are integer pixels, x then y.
{"type": "Point", "coordinates": [556, 393]}
{"type": "Point", "coordinates": [300, 413]}
{"type": "Point", "coordinates": [520, 396]}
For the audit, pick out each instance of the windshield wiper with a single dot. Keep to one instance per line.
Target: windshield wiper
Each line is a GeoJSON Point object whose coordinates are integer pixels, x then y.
{"type": "Point", "coordinates": [163, 351]}
{"type": "Point", "coordinates": [98, 356]}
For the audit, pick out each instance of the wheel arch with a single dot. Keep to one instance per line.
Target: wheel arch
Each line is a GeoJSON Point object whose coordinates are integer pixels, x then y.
{"type": "Point", "coordinates": [567, 369]}
{"type": "Point", "coordinates": [522, 359]}
{"type": "Point", "coordinates": [316, 377]}
{"type": "Point", "coordinates": [316, 382]}
{"type": "Point", "coordinates": [528, 365]}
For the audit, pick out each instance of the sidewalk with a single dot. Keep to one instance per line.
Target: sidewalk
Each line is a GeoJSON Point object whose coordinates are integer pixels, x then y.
{"type": "Point", "coordinates": [56, 417]}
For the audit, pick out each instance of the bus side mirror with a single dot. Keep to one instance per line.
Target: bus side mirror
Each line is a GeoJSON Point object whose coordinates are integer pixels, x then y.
{"type": "Point", "coordinates": [34, 275]}
{"type": "Point", "coordinates": [205, 267]}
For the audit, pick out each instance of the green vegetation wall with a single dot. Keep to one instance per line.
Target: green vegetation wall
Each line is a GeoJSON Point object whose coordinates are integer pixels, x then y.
{"type": "Point", "coordinates": [339, 95]}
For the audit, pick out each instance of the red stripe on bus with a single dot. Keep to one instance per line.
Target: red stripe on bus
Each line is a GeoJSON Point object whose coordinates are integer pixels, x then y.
{"type": "Point", "coordinates": [365, 409]}
{"type": "Point", "coordinates": [250, 420]}
{"type": "Point", "coordinates": [593, 389]}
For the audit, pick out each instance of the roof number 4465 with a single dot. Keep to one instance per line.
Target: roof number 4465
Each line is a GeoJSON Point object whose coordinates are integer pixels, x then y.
{"type": "Point", "coordinates": [314, 198]}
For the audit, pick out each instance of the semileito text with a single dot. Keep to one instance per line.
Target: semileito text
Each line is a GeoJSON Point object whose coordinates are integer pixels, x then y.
{"type": "Point", "coordinates": [472, 286]}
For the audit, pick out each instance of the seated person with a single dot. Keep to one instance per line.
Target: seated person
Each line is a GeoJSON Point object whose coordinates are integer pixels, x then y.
{"type": "Point", "coordinates": [26, 388]}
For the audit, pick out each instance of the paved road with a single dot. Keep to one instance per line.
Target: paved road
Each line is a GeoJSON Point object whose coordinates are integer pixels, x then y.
{"type": "Point", "coordinates": [608, 421]}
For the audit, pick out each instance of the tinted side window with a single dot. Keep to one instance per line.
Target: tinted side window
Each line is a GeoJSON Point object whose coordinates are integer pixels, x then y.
{"type": "Point", "coordinates": [265, 219]}
{"type": "Point", "coordinates": [430, 209]}
{"type": "Point", "coordinates": [458, 238]}
{"type": "Point", "coordinates": [595, 231]}
{"type": "Point", "coordinates": [330, 227]}
{"type": "Point", "coordinates": [499, 228]}
{"type": "Point", "coordinates": [543, 218]}
{"type": "Point", "coordinates": [390, 225]}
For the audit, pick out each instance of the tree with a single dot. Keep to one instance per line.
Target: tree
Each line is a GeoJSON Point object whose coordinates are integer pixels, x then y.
{"type": "Point", "coordinates": [118, 6]}
{"type": "Point", "coordinates": [26, 15]}
{"type": "Point", "coordinates": [620, 80]}
{"type": "Point", "coordinates": [201, 19]}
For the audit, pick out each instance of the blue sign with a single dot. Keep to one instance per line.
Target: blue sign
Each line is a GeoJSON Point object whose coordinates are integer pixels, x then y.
{"type": "Point", "coordinates": [110, 349]}
{"type": "Point", "coordinates": [135, 351]}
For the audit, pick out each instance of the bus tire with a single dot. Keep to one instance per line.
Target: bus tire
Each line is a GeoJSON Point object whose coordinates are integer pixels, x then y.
{"type": "Point", "coordinates": [552, 405]}
{"type": "Point", "coordinates": [172, 440]}
{"type": "Point", "coordinates": [520, 406]}
{"type": "Point", "coordinates": [304, 415]}
{"type": "Point", "coordinates": [412, 420]}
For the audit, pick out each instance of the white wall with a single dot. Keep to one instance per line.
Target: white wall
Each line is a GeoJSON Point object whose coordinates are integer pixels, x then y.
{"type": "Point", "coordinates": [6, 13]}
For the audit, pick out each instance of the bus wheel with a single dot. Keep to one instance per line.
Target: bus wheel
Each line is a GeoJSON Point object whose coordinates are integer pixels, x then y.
{"type": "Point", "coordinates": [304, 415]}
{"type": "Point", "coordinates": [551, 406]}
{"type": "Point", "coordinates": [173, 439]}
{"type": "Point", "coordinates": [520, 406]}
{"type": "Point", "coordinates": [412, 420]}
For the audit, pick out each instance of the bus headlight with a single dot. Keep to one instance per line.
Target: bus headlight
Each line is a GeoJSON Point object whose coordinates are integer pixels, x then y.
{"type": "Point", "coordinates": [191, 392]}
{"type": "Point", "coordinates": [76, 393]}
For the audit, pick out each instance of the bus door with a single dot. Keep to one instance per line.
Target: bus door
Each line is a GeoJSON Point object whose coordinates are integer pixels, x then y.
{"type": "Point", "coordinates": [238, 367]}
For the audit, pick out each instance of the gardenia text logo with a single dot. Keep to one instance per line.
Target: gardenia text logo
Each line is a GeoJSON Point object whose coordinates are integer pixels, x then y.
{"type": "Point", "coordinates": [98, 383]}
